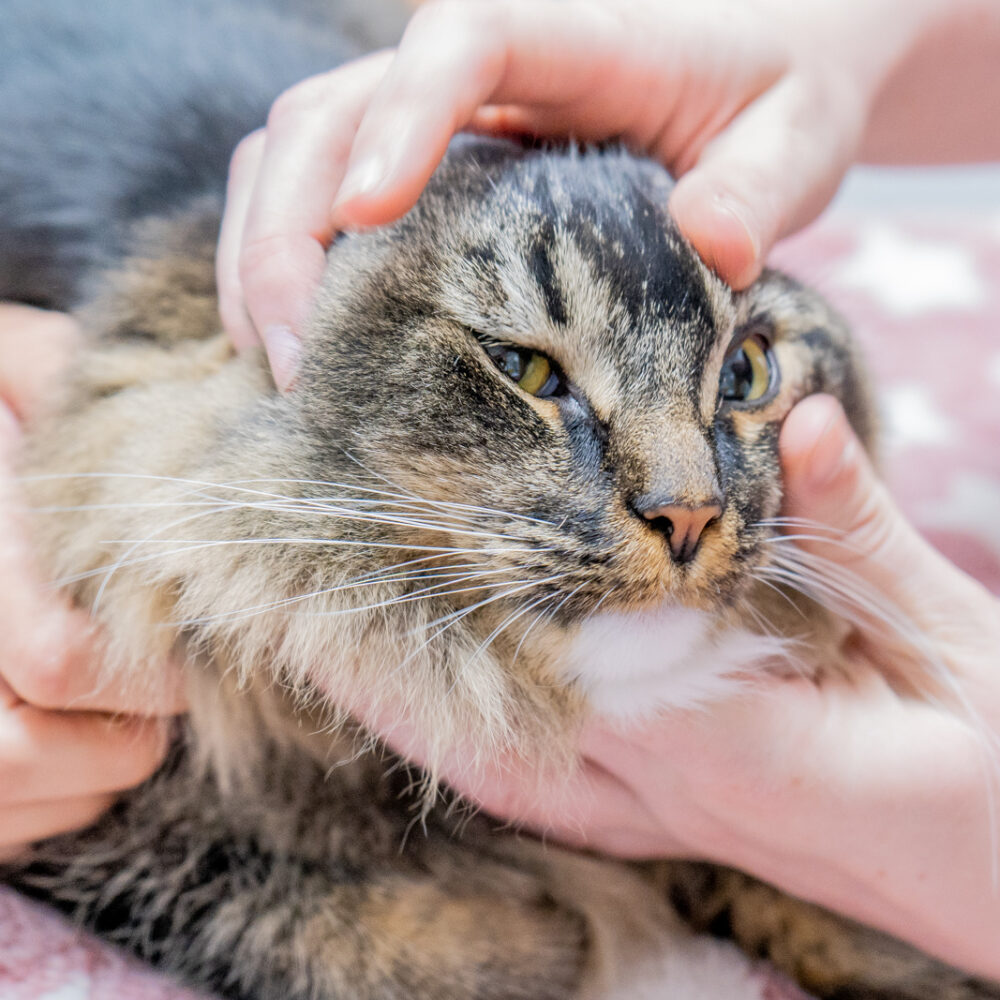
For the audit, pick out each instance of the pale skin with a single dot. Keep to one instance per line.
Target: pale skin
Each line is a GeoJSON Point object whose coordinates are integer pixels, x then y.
{"type": "Point", "coordinates": [58, 769]}
{"type": "Point", "coordinates": [760, 109]}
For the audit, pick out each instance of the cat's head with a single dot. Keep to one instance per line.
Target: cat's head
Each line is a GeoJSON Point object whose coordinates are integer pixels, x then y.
{"type": "Point", "coordinates": [529, 420]}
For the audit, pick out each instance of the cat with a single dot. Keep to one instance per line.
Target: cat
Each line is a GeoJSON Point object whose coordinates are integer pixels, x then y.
{"type": "Point", "coordinates": [528, 472]}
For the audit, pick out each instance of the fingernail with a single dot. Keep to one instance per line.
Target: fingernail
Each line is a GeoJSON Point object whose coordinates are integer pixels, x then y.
{"type": "Point", "coordinates": [832, 452]}
{"type": "Point", "coordinates": [284, 352]}
{"type": "Point", "coordinates": [727, 206]}
{"type": "Point", "coordinates": [10, 427]}
{"type": "Point", "coordinates": [363, 179]}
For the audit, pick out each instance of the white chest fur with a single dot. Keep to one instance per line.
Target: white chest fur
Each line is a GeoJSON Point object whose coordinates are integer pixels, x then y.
{"type": "Point", "coordinates": [632, 664]}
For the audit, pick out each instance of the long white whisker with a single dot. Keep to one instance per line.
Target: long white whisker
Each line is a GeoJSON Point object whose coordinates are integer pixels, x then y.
{"type": "Point", "coordinates": [456, 617]}
{"type": "Point", "coordinates": [488, 641]}
{"type": "Point", "coordinates": [850, 596]}
{"type": "Point", "coordinates": [423, 593]}
{"type": "Point", "coordinates": [238, 486]}
{"type": "Point", "coordinates": [542, 601]}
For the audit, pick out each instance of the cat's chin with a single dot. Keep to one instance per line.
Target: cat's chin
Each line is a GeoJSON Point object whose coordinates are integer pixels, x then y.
{"type": "Point", "coordinates": [631, 664]}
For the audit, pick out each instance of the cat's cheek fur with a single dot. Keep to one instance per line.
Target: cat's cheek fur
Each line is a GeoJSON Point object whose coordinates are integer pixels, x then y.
{"type": "Point", "coordinates": [632, 664]}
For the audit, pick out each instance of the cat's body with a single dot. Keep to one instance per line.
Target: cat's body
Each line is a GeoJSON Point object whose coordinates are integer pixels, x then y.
{"type": "Point", "coordinates": [490, 561]}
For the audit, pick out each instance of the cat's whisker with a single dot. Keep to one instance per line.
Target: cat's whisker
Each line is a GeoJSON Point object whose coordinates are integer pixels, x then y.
{"type": "Point", "coordinates": [347, 514]}
{"type": "Point", "coordinates": [455, 617]}
{"type": "Point", "coordinates": [522, 585]}
{"type": "Point", "coordinates": [502, 627]}
{"type": "Point", "coordinates": [547, 615]}
{"type": "Point", "coordinates": [294, 540]}
{"type": "Point", "coordinates": [307, 506]}
{"type": "Point", "coordinates": [828, 577]}
{"type": "Point", "coordinates": [185, 546]}
{"type": "Point", "coordinates": [481, 510]}
{"type": "Point", "coordinates": [845, 593]}
{"type": "Point", "coordinates": [201, 485]}
{"type": "Point", "coordinates": [471, 509]}
{"type": "Point", "coordinates": [759, 577]}
{"type": "Point", "coordinates": [541, 614]}
{"type": "Point", "coordinates": [786, 539]}
{"type": "Point", "coordinates": [408, 597]}
{"type": "Point", "coordinates": [136, 505]}
{"type": "Point", "coordinates": [785, 520]}
{"type": "Point", "coordinates": [764, 625]}
{"type": "Point", "coordinates": [853, 599]}
{"type": "Point", "coordinates": [857, 608]}
{"type": "Point", "coordinates": [133, 547]}
{"type": "Point", "coordinates": [597, 607]}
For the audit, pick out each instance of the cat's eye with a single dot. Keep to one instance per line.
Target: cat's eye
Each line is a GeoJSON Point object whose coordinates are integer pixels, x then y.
{"type": "Point", "coordinates": [531, 370]}
{"type": "Point", "coordinates": [748, 371]}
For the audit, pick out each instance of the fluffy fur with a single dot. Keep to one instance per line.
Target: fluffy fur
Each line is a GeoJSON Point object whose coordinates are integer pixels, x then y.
{"type": "Point", "coordinates": [409, 526]}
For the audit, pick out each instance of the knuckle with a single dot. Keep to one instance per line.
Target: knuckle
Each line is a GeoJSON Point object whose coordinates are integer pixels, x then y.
{"type": "Point", "coordinates": [246, 149]}
{"type": "Point", "coordinates": [278, 269]}
{"type": "Point", "coordinates": [453, 13]}
{"type": "Point", "coordinates": [235, 321]}
{"type": "Point", "coordinates": [145, 751]}
{"type": "Point", "coordinates": [15, 770]}
{"type": "Point", "coordinates": [263, 261]}
{"type": "Point", "coordinates": [41, 676]}
{"type": "Point", "coordinates": [461, 25]}
{"type": "Point", "coordinates": [303, 98]}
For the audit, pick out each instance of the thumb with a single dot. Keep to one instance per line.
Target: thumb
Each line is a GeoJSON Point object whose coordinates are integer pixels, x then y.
{"type": "Point", "coordinates": [830, 483]}
{"type": "Point", "coordinates": [770, 171]}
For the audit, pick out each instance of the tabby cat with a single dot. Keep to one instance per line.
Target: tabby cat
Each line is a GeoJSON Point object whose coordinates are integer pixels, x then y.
{"type": "Point", "coordinates": [529, 472]}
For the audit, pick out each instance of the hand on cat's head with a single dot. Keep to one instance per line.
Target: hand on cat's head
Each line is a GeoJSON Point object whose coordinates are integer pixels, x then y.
{"type": "Point", "coordinates": [355, 147]}
{"type": "Point", "coordinates": [65, 747]}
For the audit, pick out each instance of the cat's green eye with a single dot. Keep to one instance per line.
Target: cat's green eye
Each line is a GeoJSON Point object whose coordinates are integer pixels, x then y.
{"type": "Point", "coordinates": [748, 372]}
{"type": "Point", "coordinates": [532, 371]}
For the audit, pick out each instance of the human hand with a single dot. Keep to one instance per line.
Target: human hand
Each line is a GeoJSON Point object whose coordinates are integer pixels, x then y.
{"type": "Point", "coordinates": [758, 109]}
{"type": "Point", "coordinates": [873, 803]}
{"type": "Point", "coordinates": [66, 748]}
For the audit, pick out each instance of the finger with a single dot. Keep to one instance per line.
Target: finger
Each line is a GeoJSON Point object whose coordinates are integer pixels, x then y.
{"type": "Point", "coordinates": [50, 755]}
{"type": "Point", "coordinates": [585, 807]}
{"type": "Point", "coordinates": [590, 70]}
{"type": "Point", "coordinates": [771, 171]}
{"type": "Point", "coordinates": [51, 653]}
{"type": "Point", "coordinates": [288, 225]}
{"type": "Point", "coordinates": [35, 346]}
{"type": "Point", "coordinates": [456, 57]}
{"type": "Point", "coordinates": [243, 170]}
{"type": "Point", "coordinates": [830, 480]}
{"type": "Point", "coordinates": [24, 825]}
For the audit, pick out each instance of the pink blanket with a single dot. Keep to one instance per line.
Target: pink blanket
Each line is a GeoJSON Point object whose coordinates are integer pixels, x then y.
{"type": "Point", "coordinates": [924, 297]}
{"type": "Point", "coordinates": [42, 958]}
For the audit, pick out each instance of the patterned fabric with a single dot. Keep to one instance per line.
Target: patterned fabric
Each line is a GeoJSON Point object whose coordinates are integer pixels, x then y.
{"type": "Point", "coordinates": [923, 294]}
{"type": "Point", "coordinates": [43, 958]}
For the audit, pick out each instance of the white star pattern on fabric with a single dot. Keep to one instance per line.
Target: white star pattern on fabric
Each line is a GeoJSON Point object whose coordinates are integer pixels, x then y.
{"type": "Point", "coordinates": [993, 369]}
{"type": "Point", "coordinates": [909, 276]}
{"type": "Point", "coordinates": [970, 507]}
{"type": "Point", "coordinates": [912, 419]}
{"type": "Point", "coordinates": [78, 988]}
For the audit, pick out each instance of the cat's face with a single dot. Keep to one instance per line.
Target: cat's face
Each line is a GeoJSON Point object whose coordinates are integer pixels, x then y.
{"type": "Point", "coordinates": [537, 354]}
{"type": "Point", "coordinates": [529, 424]}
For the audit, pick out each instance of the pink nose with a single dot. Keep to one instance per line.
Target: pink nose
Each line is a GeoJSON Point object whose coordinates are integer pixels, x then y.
{"type": "Point", "coordinates": [683, 526]}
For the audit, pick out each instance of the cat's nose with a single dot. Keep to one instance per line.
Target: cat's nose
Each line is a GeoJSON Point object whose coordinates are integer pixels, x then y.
{"type": "Point", "coordinates": [682, 524]}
